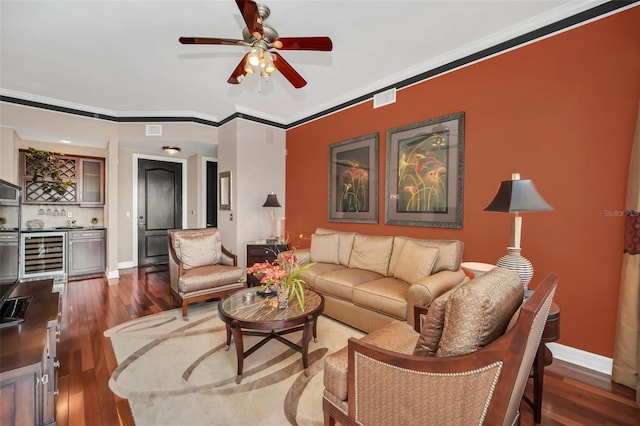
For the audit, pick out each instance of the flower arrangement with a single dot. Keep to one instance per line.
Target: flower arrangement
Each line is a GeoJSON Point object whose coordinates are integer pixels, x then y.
{"type": "Point", "coordinates": [284, 272]}
{"type": "Point", "coordinates": [94, 221]}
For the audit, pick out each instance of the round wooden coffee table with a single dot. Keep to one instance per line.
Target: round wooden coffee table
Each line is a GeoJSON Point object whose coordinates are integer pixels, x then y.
{"type": "Point", "coordinates": [246, 313]}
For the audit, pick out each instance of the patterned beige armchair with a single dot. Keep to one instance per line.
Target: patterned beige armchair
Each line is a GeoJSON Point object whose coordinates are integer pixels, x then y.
{"type": "Point", "coordinates": [455, 372]}
{"type": "Point", "coordinates": [200, 268]}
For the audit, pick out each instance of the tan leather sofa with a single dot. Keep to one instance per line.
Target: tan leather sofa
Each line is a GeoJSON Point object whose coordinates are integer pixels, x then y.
{"type": "Point", "coordinates": [369, 281]}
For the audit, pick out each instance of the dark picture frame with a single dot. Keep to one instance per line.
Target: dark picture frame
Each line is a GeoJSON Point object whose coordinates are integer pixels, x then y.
{"type": "Point", "coordinates": [425, 173]}
{"type": "Point", "coordinates": [353, 180]}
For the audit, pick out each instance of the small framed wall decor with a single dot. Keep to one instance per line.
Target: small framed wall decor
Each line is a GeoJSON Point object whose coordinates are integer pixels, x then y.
{"type": "Point", "coordinates": [225, 190]}
{"type": "Point", "coordinates": [425, 164]}
{"type": "Point", "coordinates": [353, 180]}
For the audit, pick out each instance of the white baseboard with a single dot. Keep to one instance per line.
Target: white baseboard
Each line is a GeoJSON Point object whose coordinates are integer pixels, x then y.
{"type": "Point", "coordinates": [582, 358]}
{"type": "Point", "coordinates": [127, 265]}
{"type": "Point", "coordinates": [113, 274]}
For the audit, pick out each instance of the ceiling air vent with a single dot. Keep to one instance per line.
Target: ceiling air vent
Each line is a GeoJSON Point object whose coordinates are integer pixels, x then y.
{"type": "Point", "coordinates": [153, 130]}
{"type": "Point", "coordinates": [384, 98]}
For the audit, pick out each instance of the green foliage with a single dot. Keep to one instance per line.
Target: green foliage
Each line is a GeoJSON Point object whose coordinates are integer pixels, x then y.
{"type": "Point", "coordinates": [45, 166]}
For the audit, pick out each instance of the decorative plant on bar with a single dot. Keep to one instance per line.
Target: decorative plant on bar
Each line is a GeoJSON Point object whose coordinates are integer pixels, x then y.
{"type": "Point", "coordinates": [283, 276]}
{"type": "Point", "coordinates": [45, 168]}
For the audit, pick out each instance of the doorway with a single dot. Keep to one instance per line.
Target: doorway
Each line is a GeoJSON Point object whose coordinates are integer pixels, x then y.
{"type": "Point", "coordinates": [212, 195]}
{"type": "Point", "coordinates": [159, 208]}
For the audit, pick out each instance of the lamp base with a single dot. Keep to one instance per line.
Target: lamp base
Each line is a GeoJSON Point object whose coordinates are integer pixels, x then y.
{"type": "Point", "coordinates": [518, 263]}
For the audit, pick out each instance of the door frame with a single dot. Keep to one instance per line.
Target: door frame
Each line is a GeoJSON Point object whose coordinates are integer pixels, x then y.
{"type": "Point", "coordinates": [203, 195]}
{"type": "Point", "coordinates": [134, 200]}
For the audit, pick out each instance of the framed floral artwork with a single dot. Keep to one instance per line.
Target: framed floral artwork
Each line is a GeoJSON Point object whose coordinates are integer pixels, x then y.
{"type": "Point", "coordinates": [425, 164]}
{"type": "Point", "coordinates": [353, 180]}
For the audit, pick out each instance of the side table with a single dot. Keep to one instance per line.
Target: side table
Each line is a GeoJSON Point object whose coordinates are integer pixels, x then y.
{"type": "Point", "coordinates": [260, 251]}
{"type": "Point", "coordinates": [544, 357]}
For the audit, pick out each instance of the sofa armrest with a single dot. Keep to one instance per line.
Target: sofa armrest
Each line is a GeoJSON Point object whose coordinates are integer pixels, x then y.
{"type": "Point", "coordinates": [423, 292]}
{"type": "Point", "coordinates": [303, 255]}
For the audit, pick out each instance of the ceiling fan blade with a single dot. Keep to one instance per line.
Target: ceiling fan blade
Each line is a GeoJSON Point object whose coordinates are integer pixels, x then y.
{"type": "Point", "coordinates": [239, 73]}
{"type": "Point", "coordinates": [288, 72]}
{"type": "Point", "coordinates": [303, 43]}
{"type": "Point", "coordinates": [212, 40]}
{"type": "Point", "coordinates": [249, 10]}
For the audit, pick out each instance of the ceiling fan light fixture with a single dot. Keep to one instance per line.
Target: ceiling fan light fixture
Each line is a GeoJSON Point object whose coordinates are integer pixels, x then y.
{"type": "Point", "coordinates": [268, 63]}
{"type": "Point", "coordinates": [248, 69]}
{"type": "Point", "coordinates": [254, 56]}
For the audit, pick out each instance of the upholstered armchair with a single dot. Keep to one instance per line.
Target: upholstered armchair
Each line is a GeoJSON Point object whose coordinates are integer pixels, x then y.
{"type": "Point", "coordinates": [200, 268]}
{"type": "Point", "coordinates": [463, 369]}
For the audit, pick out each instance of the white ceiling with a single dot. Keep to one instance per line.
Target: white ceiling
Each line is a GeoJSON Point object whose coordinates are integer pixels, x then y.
{"type": "Point", "coordinates": [122, 58]}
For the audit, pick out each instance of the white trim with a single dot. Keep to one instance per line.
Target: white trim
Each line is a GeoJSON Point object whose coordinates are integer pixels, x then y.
{"type": "Point", "coordinates": [582, 358]}
{"type": "Point", "coordinates": [127, 265]}
{"type": "Point", "coordinates": [203, 195]}
{"type": "Point", "coordinates": [113, 274]}
{"type": "Point", "coordinates": [134, 192]}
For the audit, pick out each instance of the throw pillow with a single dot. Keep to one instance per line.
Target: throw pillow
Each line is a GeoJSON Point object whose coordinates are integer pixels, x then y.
{"type": "Point", "coordinates": [416, 262]}
{"type": "Point", "coordinates": [198, 249]}
{"type": "Point", "coordinates": [431, 326]}
{"type": "Point", "coordinates": [345, 243]}
{"type": "Point", "coordinates": [371, 253]}
{"type": "Point", "coordinates": [478, 312]}
{"type": "Point", "coordinates": [324, 248]}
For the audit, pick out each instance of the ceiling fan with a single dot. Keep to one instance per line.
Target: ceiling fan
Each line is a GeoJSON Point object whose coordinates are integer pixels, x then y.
{"type": "Point", "coordinates": [261, 39]}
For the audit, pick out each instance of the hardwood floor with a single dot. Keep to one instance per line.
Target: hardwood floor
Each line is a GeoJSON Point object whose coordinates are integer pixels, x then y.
{"type": "Point", "coordinates": [572, 395]}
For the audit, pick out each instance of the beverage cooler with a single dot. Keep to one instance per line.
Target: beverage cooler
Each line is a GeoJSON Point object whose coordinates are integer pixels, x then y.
{"type": "Point", "coordinates": [9, 232]}
{"type": "Point", "coordinates": [44, 254]}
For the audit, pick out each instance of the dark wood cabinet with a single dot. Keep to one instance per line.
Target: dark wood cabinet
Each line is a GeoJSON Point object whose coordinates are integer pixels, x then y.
{"type": "Point", "coordinates": [260, 252]}
{"type": "Point", "coordinates": [84, 175]}
{"type": "Point", "coordinates": [28, 364]}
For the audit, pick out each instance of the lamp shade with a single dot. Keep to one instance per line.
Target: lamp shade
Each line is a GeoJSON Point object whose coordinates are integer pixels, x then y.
{"type": "Point", "coordinates": [272, 201]}
{"type": "Point", "coordinates": [517, 196]}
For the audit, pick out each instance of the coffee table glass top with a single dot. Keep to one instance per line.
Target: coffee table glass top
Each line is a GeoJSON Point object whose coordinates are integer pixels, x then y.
{"type": "Point", "coordinates": [240, 307]}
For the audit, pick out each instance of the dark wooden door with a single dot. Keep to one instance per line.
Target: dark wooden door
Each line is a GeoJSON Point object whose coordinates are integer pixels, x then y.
{"type": "Point", "coordinates": [159, 208]}
{"type": "Point", "coordinates": [212, 194]}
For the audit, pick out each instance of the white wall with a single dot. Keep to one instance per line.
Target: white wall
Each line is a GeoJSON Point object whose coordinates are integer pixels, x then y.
{"type": "Point", "coordinates": [254, 153]}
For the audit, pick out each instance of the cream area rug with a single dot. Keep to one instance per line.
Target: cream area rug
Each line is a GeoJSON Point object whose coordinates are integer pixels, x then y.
{"type": "Point", "coordinates": [176, 372]}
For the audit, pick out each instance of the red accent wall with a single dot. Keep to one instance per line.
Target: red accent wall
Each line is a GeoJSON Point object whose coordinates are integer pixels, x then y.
{"type": "Point", "coordinates": [560, 111]}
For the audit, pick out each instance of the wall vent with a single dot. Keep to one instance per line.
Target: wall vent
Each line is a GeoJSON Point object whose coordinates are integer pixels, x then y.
{"type": "Point", "coordinates": [153, 130]}
{"type": "Point", "coordinates": [384, 98]}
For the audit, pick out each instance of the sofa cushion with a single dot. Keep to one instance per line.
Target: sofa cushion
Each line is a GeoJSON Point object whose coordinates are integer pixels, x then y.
{"type": "Point", "coordinates": [324, 248]}
{"type": "Point", "coordinates": [309, 275]}
{"type": "Point", "coordinates": [340, 283]}
{"type": "Point", "coordinates": [371, 253]}
{"type": "Point", "coordinates": [416, 262]}
{"type": "Point", "coordinates": [345, 243]}
{"type": "Point", "coordinates": [431, 326]}
{"type": "Point", "coordinates": [449, 257]}
{"type": "Point", "coordinates": [208, 277]}
{"type": "Point", "coordinates": [386, 295]}
{"type": "Point", "coordinates": [195, 249]}
{"type": "Point", "coordinates": [396, 337]}
{"type": "Point", "coordinates": [478, 312]}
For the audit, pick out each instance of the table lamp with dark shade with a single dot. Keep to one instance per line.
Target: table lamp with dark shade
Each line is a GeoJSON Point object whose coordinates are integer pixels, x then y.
{"type": "Point", "coordinates": [515, 196]}
{"type": "Point", "coordinates": [272, 202]}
